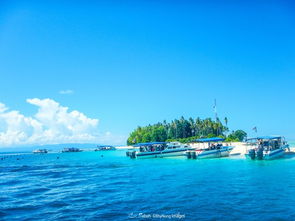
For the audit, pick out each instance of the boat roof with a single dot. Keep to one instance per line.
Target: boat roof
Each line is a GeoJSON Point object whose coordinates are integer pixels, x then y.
{"type": "Point", "coordinates": [148, 144]}
{"type": "Point", "coordinates": [265, 138]}
{"type": "Point", "coordinates": [212, 139]}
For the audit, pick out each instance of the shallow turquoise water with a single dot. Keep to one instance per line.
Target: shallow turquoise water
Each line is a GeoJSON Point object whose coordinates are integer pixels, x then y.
{"type": "Point", "coordinates": [87, 186]}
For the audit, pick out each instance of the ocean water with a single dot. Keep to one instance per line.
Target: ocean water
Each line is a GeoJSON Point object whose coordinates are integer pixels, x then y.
{"type": "Point", "coordinates": [110, 186]}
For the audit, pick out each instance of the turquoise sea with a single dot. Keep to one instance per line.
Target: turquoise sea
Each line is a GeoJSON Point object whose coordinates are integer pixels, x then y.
{"type": "Point", "coordinates": [110, 186]}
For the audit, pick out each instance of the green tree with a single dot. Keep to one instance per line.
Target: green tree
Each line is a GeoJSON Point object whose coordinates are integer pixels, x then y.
{"type": "Point", "coordinates": [183, 130]}
{"type": "Point", "coordinates": [238, 135]}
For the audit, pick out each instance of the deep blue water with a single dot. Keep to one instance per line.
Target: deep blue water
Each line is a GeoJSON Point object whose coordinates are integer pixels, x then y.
{"type": "Point", "coordinates": [87, 186]}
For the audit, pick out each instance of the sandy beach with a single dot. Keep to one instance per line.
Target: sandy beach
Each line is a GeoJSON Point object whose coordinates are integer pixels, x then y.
{"type": "Point", "coordinates": [124, 147]}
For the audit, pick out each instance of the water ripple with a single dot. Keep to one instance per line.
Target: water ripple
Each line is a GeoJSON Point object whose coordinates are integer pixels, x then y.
{"type": "Point", "coordinates": [88, 187]}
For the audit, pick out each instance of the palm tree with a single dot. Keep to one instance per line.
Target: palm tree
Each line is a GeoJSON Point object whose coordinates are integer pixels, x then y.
{"type": "Point", "coordinates": [192, 126]}
{"type": "Point", "coordinates": [226, 121]}
{"type": "Point", "coordinates": [198, 127]}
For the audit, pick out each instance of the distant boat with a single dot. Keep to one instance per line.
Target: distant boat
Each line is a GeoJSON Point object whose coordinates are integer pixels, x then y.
{"type": "Point", "coordinates": [40, 151]}
{"type": "Point", "coordinates": [104, 147]}
{"type": "Point", "coordinates": [266, 148]}
{"type": "Point", "coordinates": [213, 148]}
{"type": "Point", "coordinates": [70, 150]}
{"type": "Point", "coordinates": [159, 149]}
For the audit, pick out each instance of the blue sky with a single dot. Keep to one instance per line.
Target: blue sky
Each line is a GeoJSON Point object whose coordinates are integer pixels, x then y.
{"type": "Point", "coordinates": [135, 63]}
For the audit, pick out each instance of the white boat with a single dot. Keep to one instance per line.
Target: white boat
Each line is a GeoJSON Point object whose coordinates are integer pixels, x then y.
{"type": "Point", "coordinates": [40, 151]}
{"type": "Point", "coordinates": [212, 148]}
{"type": "Point", "coordinates": [266, 148]}
{"type": "Point", "coordinates": [104, 147]}
{"type": "Point", "coordinates": [159, 149]}
{"type": "Point", "coordinates": [70, 150]}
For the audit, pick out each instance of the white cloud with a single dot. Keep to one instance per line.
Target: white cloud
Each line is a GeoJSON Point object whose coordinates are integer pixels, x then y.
{"type": "Point", "coordinates": [51, 124]}
{"type": "Point", "coordinates": [66, 92]}
{"type": "Point", "coordinates": [2, 108]}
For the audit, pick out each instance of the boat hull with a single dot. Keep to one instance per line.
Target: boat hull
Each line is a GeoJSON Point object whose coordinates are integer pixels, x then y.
{"type": "Point", "coordinates": [271, 155]}
{"type": "Point", "coordinates": [216, 153]}
{"type": "Point", "coordinates": [224, 152]}
{"type": "Point", "coordinates": [162, 154]}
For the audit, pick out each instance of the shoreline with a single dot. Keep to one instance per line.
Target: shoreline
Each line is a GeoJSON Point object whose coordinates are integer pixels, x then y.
{"type": "Point", "coordinates": [239, 147]}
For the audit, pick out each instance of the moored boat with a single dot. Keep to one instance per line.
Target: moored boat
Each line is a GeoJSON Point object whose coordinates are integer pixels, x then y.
{"type": "Point", "coordinates": [212, 148]}
{"type": "Point", "coordinates": [104, 147]}
{"type": "Point", "coordinates": [70, 150]}
{"type": "Point", "coordinates": [266, 147]}
{"type": "Point", "coordinates": [159, 149]}
{"type": "Point", "coordinates": [40, 151]}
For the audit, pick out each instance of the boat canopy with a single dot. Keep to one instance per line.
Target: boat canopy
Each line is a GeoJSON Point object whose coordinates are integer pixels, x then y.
{"type": "Point", "coordinates": [148, 144]}
{"type": "Point", "coordinates": [212, 139]}
{"type": "Point", "coordinates": [265, 138]}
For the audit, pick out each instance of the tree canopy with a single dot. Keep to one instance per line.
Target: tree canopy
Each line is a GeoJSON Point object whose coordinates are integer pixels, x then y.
{"type": "Point", "coordinates": [238, 135]}
{"type": "Point", "coordinates": [183, 130]}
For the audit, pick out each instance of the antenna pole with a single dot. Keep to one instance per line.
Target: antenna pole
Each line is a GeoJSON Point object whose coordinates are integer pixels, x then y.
{"type": "Point", "coordinates": [215, 110]}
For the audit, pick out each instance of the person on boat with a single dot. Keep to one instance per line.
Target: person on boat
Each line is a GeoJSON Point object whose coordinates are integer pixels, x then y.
{"type": "Point", "coordinates": [212, 147]}
{"type": "Point", "coordinates": [260, 145]}
{"type": "Point", "coordinates": [149, 148]}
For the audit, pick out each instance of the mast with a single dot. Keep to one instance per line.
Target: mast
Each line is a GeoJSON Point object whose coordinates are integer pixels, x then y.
{"type": "Point", "coordinates": [215, 110]}
{"type": "Point", "coordinates": [216, 117]}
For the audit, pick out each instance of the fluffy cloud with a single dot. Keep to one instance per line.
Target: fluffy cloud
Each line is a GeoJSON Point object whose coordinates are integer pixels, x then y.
{"type": "Point", "coordinates": [51, 124]}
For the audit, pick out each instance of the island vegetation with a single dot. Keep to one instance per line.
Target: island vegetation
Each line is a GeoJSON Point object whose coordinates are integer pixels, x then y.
{"type": "Point", "coordinates": [185, 130]}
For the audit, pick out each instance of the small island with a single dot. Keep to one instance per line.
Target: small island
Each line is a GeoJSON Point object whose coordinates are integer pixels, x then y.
{"type": "Point", "coordinates": [185, 130]}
